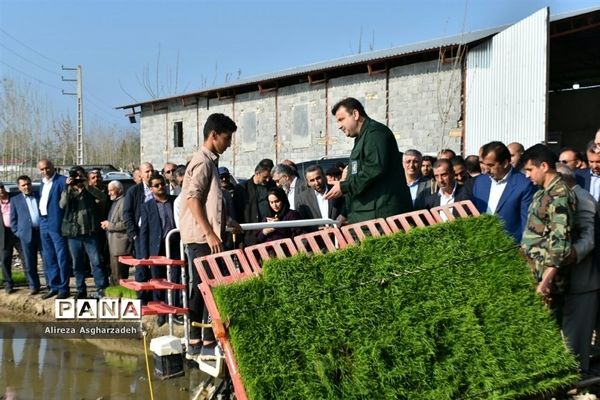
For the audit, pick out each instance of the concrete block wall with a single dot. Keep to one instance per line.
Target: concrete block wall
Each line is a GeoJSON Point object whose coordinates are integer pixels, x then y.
{"type": "Point", "coordinates": [369, 90]}
{"type": "Point", "coordinates": [313, 97]}
{"type": "Point", "coordinates": [242, 157]}
{"type": "Point", "coordinates": [153, 127]}
{"type": "Point", "coordinates": [419, 97]}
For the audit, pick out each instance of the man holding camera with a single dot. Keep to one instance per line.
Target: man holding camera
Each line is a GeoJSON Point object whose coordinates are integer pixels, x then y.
{"type": "Point", "coordinates": [79, 226]}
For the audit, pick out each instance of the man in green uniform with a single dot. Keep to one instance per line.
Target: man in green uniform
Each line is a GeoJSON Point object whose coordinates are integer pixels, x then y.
{"type": "Point", "coordinates": [375, 186]}
{"type": "Point", "coordinates": [548, 235]}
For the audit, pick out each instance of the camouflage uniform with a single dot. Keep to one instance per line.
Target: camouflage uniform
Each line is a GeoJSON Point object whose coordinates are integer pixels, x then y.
{"type": "Point", "coordinates": [547, 237]}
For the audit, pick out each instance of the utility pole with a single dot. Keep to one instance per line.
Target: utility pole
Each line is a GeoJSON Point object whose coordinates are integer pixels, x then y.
{"type": "Point", "coordinates": [79, 95]}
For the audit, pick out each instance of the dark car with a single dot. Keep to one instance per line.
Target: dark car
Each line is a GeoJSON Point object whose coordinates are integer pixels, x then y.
{"type": "Point", "coordinates": [126, 182]}
{"type": "Point", "coordinates": [324, 162]}
{"type": "Point", "coordinates": [13, 189]}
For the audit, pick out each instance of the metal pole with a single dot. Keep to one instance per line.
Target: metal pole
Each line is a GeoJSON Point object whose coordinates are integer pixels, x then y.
{"type": "Point", "coordinates": [80, 159]}
{"type": "Point", "coordinates": [79, 94]}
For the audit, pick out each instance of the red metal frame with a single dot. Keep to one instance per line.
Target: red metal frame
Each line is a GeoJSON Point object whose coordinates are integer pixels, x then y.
{"type": "Point", "coordinates": [464, 209]}
{"type": "Point", "coordinates": [152, 261]}
{"type": "Point", "coordinates": [307, 243]}
{"type": "Point", "coordinates": [277, 246]}
{"type": "Point", "coordinates": [373, 225]}
{"type": "Point", "coordinates": [402, 222]}
{"type": "Point", "coordinates": [212, 263]}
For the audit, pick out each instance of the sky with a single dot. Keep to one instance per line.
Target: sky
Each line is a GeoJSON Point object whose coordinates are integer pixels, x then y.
{"type": "Point", "coordinates": [132, 51]}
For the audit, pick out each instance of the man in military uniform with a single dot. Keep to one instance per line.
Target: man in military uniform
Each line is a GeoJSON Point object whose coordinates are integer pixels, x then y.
{"type": "Point", "coordinates": [375, 186]}
{"type": "Point", "coordinates": [547, 238]}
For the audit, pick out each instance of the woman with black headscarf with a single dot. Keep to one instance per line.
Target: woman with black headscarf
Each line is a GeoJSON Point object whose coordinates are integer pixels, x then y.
{"type": "Point", "coordinates": [279, 210]}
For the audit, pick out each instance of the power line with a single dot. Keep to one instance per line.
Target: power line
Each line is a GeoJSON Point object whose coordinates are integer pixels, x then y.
{"type": "Point", "coordinates": [41, 81]}
{"type": "Point", "coordinates": [98, 99]}
{"type": "Point", "coordinates": [28, 60]}
{"type": "Point", "coordinates": [30, 77]}
{"type": "Point", "coordinates": [30, 48]}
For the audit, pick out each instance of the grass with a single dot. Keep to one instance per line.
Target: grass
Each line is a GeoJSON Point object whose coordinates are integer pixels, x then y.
{"type": "Point", "coordinates": [17, 277]}
{"type": "Point", "coordinates": [119, 291]}
{"type": "Point", "coordinates": [446, 312]}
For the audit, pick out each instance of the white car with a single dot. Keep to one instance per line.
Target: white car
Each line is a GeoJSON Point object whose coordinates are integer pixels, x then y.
{"type": "Point", "coordinates": [116, 175]}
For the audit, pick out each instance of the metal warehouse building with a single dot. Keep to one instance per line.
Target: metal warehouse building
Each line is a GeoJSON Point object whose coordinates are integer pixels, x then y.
{"type": "Point", "coordinates": [534, 81]}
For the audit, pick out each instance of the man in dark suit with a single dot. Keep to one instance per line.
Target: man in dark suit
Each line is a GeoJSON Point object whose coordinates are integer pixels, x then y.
{"type": "Point", "coordinates": [503, 190]}
{"type": "Point", "coordinates": [375, 186]}
{"type": "Point", "coordinates": [286, 178]}
{"type": "Point", "coordinates": [311, 203]}
{"type": "Point", "coordinates": [55, 252]}
{"type": "Point", "coordinates": [419, 185]}
{"type": "Point", "coordinates": [157, 220]}
{"type": "Point", "coordinates": [449, 190]}
{"type": "Point", "coordinates": [581, 295]}
{"type": "Point", "coordinates": [589, 178]}
{"type": "Point", "coordinates": [134, 198]}
{"type": "Point", "coordinates": [25, 224]}
{"type": "Point", "coordinates": [250, 198]}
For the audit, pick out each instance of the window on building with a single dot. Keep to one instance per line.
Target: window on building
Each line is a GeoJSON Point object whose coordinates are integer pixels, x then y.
{"type": "Point", "coordinates": [300, 129]}
{"type": "Point", "coordinates": [178, 134]}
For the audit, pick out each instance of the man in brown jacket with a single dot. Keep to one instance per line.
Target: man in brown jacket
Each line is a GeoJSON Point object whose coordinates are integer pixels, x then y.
{"type": "Point", "coordinates": [202, 221]}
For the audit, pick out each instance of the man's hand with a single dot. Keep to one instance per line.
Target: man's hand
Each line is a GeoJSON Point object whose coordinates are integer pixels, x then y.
{"type": "Point", "coordinates": [571, 258]}
{"type": "Point", "coordinates": [344, 174]}
{"type": "Point", "coordinates": [215, 244]}
{"type": "Point", "coordinates": [104, 225]}
{"type": "Point", "coordinates": [545, 286]}
{"type": "Point", "coordinates": [334, 192]}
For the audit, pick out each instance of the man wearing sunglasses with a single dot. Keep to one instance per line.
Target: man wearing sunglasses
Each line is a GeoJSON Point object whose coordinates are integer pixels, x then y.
{"type": "Point", "coordinates": [168, 172]}
{"type": "Point", "coordinates": [156, 220]}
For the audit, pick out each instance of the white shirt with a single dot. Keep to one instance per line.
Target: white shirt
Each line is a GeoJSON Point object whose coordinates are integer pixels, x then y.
{"type": "Point", "coordinates": [46, 195]}
{"type": "Point", "coordinates": [446, 199]}
{"type": "Point", "coordinates": [176, 208]}
{"type": "Point", "coordinates": [291, 193]}
{"type": "Point", "coordinates": [595, 186]}
{"type": "Point", "coordinates": [496, 190]}
{"type": "Point", "coordinates": [323, 204]}
{"type": "Point", "coordinates": [33, 211]}
{"type": "Point", "coordinates": [414, 188]}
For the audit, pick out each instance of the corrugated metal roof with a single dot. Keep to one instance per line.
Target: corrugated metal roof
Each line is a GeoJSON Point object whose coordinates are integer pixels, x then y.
{"type": "Point", "coordinates": [377, 55]}
{"type": "Point", "coordinates": [343, 61]}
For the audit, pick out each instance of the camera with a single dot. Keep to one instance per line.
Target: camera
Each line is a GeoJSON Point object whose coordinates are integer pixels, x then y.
{"type": "Point", "coordinates": [75, 178]}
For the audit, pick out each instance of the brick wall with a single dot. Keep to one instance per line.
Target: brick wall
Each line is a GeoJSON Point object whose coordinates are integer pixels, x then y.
{"type": "Point", "coordinates": [296, 122]}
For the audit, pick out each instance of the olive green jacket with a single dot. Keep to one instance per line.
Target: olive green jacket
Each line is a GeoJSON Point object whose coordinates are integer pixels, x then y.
{"type": "Point", "coordinates": [376, 185]}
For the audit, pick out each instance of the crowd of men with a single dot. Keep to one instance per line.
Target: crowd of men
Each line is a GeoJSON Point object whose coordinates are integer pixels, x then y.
{"type": "Point", "coordinates": [547, 204]}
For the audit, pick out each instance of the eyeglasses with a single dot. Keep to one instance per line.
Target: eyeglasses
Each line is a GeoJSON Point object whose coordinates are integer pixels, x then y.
{"type": "Point", "coordinates": [169, 171]}
{"type": "Point", "coordinates": [565, 161]}
{"type": "Point", "coordinates": [158, 185]}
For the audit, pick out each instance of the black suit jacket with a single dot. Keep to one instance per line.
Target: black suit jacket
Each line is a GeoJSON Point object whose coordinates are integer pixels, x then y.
{"type": "Point", "coordinates": [433, 200]}
{"type": "Point", "coordinates": [151, 230]}
{"type": "Point", "coordinates": [134, 198]}
{"type": "Point", "coordinates": [307, 206]}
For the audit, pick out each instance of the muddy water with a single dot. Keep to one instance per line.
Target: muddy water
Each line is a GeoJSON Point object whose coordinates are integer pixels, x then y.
{"type": "Point", "coordinates": [34, 368]}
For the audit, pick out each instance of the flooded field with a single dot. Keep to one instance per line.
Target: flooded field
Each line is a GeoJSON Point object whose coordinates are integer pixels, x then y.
{"type": "Point", "coordinates": [40, 368]}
